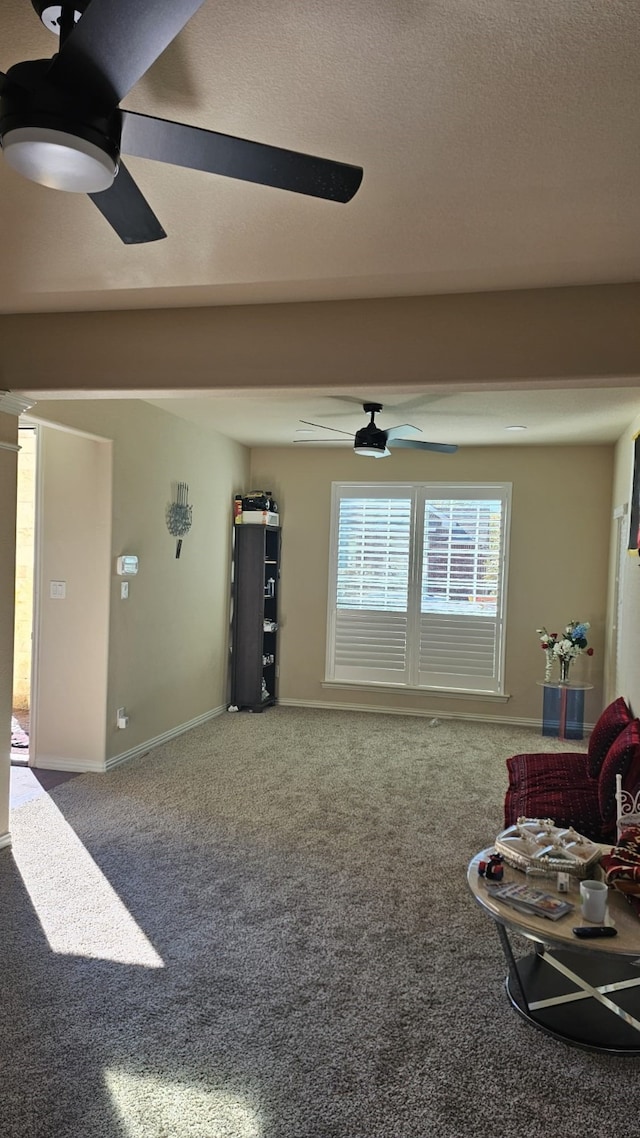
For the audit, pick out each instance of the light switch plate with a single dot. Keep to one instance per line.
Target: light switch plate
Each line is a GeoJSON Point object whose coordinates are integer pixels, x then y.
{"type": "Point", "coordinates": [57, 590]}
{"type": "Point", "coordinates": [124, 590]}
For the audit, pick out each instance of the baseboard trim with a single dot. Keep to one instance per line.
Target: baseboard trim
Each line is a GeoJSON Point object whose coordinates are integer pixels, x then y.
{"type": "Point", "coordinates": [158, 740]}
{"type": "Point", "coordinates": [74, 766]}
{"type": "Point", "coordinates": [5, 840]}
{"type": "Point", "coordinates": [507, 720]}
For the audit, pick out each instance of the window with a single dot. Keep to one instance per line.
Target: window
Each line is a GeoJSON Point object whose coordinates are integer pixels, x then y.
{"type": "Point", "coordinates": [417, 585]}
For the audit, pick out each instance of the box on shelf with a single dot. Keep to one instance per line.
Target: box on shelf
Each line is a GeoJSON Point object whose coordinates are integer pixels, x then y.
{"type": "Point", "coordinates": [258, 518]}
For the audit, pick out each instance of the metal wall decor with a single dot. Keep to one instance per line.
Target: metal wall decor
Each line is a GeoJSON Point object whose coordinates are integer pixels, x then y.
{"type": "Point", "coordinates": [179, 513]}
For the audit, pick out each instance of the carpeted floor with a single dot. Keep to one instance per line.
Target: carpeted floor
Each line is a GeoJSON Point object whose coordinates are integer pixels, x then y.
{"type": "Point", "coordinates": [262, 930]}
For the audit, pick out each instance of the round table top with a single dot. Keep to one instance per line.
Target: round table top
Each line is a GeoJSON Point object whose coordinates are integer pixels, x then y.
{"type": "Point", "coordinates": [572, 685]}
{"type": "Point", "coordinates": [560, 933]}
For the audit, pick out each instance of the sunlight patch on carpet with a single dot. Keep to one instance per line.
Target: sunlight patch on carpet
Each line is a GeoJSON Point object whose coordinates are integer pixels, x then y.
{"type": "Point", "coordinates": [80, 912]}
{"type": "Point", "coordinates": [162, 1108]}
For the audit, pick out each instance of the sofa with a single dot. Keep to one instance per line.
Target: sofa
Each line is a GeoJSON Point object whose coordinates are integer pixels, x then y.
{"type": "Point", "coordinates": [577, 789]}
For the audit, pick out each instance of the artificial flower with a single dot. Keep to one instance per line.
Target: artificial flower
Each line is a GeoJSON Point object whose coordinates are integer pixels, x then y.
{"type": "Point", "coordinates": [567, 646]}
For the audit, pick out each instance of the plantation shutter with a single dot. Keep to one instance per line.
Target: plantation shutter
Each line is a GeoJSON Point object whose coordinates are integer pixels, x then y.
{"type": "Point", "coordinates": [417, 586]}
{"type": "Point", "coordinates": [461, 594]}
{"type": "Point", "coordinates": [372, 587]}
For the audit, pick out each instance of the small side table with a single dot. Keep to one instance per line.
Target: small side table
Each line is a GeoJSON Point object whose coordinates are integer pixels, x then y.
{"type": "Point", "coordinates": [563, 708]}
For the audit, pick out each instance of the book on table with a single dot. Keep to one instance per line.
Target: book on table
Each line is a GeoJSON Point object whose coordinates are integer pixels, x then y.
{"type": "Point", "coordinates": [529, 900]}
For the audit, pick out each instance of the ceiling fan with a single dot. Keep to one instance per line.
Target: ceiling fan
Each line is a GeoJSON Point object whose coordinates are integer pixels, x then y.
{"type": "Point", "coordinates": [61, 124]}
{"type": "Point", "coordinates": [372, 441]}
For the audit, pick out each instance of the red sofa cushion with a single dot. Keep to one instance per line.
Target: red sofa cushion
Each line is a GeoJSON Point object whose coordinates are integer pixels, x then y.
{"type": "Point", "coordinates": [610, 725]}
{"type": "Point", "coordinates": [554, 786]}
{"type": "Point", "coordinates": [622, 758]}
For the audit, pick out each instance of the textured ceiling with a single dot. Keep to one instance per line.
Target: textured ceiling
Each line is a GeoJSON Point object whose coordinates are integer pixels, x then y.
{"type": "Point", "coordinates": [499, 140]}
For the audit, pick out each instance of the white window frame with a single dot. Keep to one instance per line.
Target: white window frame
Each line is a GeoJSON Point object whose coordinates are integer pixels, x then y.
{"type": "Point", "coordinates": [412, 678]}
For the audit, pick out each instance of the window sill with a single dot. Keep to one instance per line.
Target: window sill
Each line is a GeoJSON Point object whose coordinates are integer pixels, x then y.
{"type": "Point", "coordinates": [401, 689]}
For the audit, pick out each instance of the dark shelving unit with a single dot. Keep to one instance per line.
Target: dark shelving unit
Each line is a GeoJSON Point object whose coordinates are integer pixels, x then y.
{"type": "Point", "coordinates": [254, 646]}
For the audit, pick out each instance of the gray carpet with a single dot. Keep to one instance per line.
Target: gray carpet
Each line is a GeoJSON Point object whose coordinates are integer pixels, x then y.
{"type": "Point", "coordinates": [263, 930]}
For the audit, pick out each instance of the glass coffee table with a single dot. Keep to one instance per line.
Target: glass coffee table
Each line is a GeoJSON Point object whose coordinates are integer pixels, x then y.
{"type": "Point", "coordinates": [585, 992]}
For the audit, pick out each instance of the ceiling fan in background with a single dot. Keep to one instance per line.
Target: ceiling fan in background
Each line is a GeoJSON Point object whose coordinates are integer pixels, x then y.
{"type": "Point", "coordinates": [61, 124]}
{"type": "Point", "coordinates": [372, 441]}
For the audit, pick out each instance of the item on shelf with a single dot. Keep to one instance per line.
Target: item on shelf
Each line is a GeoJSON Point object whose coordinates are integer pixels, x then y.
{"type": "Point", "coordinates": [270, 587]}
{"type": "Point", "coordinates": [237, 508]}
{"type": "Point", "coordinates": [260, 500]}
{"type": "Point", "coordinates": [269, 625]}
{"type": "Point", "coordinates": [259, 508]}
{"type": "Point", "coordinates": [537, 846]}
{"type": "Point", "coordinates": [265, 693]}
{"type": "Point", "coordinates": [269, 659]}
{"type": "Point", "coordinates": [259, 518]}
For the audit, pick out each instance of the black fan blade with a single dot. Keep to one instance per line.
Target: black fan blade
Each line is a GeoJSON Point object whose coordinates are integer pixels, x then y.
{"type": "Point", "coordinates": [416, 444]}
{"type": "Point", "coordinates": [127, 211]}
{"type": "Point", "coordinates": [114, 43]}
{"type": "Point", "coordinates": [323, 428]}
{"type": "Point", "coordinates": [197, 149]}
{"type": "Point", "coordinates": [394, 432]}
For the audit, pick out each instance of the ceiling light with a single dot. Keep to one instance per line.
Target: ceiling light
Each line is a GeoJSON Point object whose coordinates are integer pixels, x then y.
{"type": "Point", "coordinates": [371, 452]}
{"type": "Point", "coordinates": [304, 431]}
{"type": "Point", "coordinates": [59, 160]}
{"type": "Point", "coordinates": [515, 427]}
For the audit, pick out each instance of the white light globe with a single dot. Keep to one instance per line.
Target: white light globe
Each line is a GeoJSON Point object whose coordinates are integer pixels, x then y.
{"type": "Point", "coordinates": [59, 160]}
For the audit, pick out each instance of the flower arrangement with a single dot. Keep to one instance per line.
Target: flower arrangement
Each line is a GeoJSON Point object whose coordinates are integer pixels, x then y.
{"type": "Point", "coordinates": [564, 647]}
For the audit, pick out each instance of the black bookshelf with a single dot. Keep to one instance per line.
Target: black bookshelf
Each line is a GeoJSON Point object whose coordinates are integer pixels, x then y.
{"type": "Point", "coordinates": [254, 628]}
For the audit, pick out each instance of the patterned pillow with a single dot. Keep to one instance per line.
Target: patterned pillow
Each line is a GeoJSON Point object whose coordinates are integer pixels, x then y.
{"type": "Point", "coordinates": [611, 723]}
{"type": "Point", "coordinates": [623, 758]}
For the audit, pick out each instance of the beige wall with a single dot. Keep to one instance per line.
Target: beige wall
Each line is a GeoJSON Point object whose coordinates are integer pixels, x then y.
{"type": "Point", "coordinates": [628, 678]}
{"type": "Point", "coordinates": [8, 479]}
{"type": "Point", "coordinates": [72, 633]}
{"type": "Point", "coordinates": [522, 338]}
{"type": "Point", "coordinates": [168, 643]}
{"type": "Point", "coordinates": [558, 560]}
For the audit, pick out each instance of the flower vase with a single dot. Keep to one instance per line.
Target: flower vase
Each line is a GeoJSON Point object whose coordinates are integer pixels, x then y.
{"type": "Point", "coordinates": [565, 664]}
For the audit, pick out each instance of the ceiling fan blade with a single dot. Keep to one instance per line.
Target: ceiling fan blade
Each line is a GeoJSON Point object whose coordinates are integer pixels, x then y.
{"type": "Point", "coordinates": [323, 428]}
{"type": "Point", "coordinates": [394, 432]}
{"type": "Point", "coordinates": [127, 211]}
{"type": "Point", "coordinates": [325, 442]}
{"type": "Point", "coordinates": [417, 444]}
{"type": "Point", "coordinates": [214, 153]}
{"type": "Point", "coordinates": [115, 42]}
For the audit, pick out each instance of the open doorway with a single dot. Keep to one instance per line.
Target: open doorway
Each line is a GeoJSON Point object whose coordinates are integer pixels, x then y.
{"type": "Point", "coordinates": [24, 596]}
{"type": "Point", "coordinates": [63, 579]}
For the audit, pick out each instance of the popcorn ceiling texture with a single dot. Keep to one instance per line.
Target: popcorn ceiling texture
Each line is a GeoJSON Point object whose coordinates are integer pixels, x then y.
{"type": "Point", "coordinates": [498, 139]}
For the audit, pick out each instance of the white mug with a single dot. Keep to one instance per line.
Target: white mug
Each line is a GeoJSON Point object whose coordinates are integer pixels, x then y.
{"type": "Point", "coordinates": [594, 901]}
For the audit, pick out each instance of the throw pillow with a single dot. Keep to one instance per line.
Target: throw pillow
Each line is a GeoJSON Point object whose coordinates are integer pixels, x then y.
{"type": "Point", "coordinates": [623, 755]}
{"type": "Point", "coordinates": [610, 725]}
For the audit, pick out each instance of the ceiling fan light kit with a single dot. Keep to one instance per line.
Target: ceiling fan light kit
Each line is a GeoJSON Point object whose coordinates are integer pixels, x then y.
{"type": "Point", "coordinates": [374, 442]}
{"type": "Point", "coordinates": [59, 160]}
{"type": "Point", "coordinates": [61, 124]}
{"type": "Point", "coordinates": [372, 451]}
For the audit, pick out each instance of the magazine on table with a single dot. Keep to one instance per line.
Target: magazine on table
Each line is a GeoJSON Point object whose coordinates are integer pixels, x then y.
{"type": "Point", "coordinates": [530, 900]}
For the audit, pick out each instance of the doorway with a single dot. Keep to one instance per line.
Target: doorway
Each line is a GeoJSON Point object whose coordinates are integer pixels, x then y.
{"type": "Point", "coordinates": [63, 581]}
{"type": "Point", "coordinates": [24, 596]}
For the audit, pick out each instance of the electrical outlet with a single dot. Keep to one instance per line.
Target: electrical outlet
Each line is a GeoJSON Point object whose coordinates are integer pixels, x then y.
{"type": "Point", "coordinates": [124, 590]}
